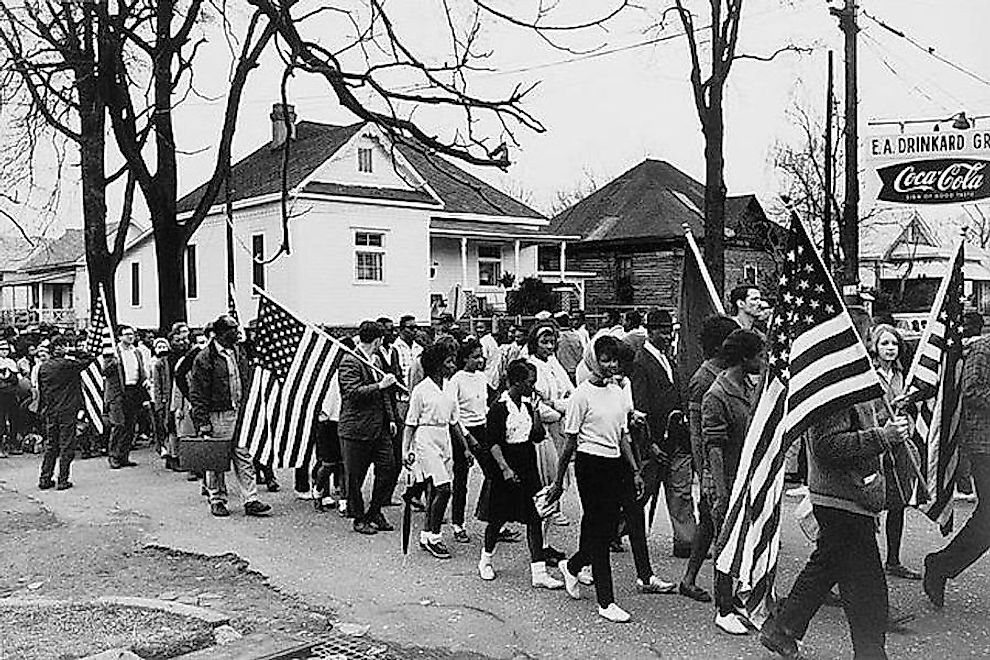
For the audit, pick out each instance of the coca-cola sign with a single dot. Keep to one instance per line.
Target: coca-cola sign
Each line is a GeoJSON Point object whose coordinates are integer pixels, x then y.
{"type": "Point", "coordinates": [940, 181]}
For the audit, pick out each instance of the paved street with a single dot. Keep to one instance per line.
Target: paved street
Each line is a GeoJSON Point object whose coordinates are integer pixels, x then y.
{"type": "Point", "coordinates": [423, 602]}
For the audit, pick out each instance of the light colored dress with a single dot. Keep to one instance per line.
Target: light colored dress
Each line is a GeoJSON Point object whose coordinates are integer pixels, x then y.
{"type": "Point", "coordinates": [431, 412]}
{"type": "Point", "coordinates": [553, 385]}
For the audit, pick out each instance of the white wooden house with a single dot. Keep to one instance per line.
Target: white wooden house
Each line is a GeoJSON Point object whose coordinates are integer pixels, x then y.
{"type": "Point", "coordinates": [375, 229]}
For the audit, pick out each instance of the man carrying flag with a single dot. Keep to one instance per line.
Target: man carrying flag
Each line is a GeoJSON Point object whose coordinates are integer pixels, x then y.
{"type": "Point", "coordinates": [218, 387]}
{"type": "Point", "coordinates": [962, 399]}
{"type": "Point", "coordinates": [819, 375]}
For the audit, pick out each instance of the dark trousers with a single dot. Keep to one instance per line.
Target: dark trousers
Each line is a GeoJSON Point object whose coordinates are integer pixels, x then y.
{"type": "Point", "coordinates": [328, 461]}
{"type": "Point", "coordinates": [60, 446]}
{"type": "Point", "coordinates": [702, 542]}
{"type": "Point", "coordinates": [458, 497]}
{"type": "Point", "coordinates": [437, 498]}
{"type": "Point", "coordinates": [122, 435]}
{"type": "Point", "coordinates": [359, 455]}
{"type": "Point", "coordinates": [605, 486]}
{"type": "Point", "coordinates": [973, 539]}
{"type": "Point", "coordinates": [9, 417]}
{"type": "Point", "coordinates": [847, 554]}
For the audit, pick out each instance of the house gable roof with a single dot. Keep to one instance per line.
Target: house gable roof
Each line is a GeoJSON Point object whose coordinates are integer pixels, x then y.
{"type": "Point", "coordinates": [652, 201]}
{"type": "Point", "coordinates": [15, 250]}
{"type": "Point", "coordinates": [260, 174]}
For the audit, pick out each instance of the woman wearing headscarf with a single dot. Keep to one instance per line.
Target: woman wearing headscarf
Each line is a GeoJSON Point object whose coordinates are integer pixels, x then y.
{"type": "Point", "coordinates": [551, 391]}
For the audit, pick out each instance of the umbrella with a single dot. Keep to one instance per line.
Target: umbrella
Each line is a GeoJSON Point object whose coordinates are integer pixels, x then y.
{"type": "Point", "coordinates": [406, 513]}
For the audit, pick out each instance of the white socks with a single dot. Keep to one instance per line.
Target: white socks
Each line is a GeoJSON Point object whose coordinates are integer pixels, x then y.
{"type": "Point", "coordinates": [485, 569]}
{"type": "Point", "coordinates": [543, 579]}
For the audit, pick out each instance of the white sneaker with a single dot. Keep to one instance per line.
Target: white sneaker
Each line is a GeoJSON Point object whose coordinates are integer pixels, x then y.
{"type": "Point", "coordinates": [655, 586]}
{"type": "Point", "coordinates": [547, 581]}
{"type": "Point", "coordinates": [307, 495]}
{"type": "Point", "coordinates": [797, 491]}
{"type": "Point", "coordinates": [731, 624]}
{"type": "Point", "coordinates": [486, 571]}
{"type": "Point", "coordinates": [571, 583]}
{"type": "Point", "coordinates": [614, 613]}
{"type": "Point", "coordinates": [586, 577]}
{"type": "Point", "coordinates": [964, 497]}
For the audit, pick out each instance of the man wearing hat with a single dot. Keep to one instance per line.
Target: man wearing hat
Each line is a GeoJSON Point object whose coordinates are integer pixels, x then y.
{"type": "Point", "coordinates": [656, 392]}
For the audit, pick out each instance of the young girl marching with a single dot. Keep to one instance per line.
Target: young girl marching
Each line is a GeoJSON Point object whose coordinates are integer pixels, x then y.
{"type": "Point", "coordinates": [469, 388]}
{"type": "Point", "coordinates": [430, 424]}
{"type": "Point", "coordinates": [514, 431]}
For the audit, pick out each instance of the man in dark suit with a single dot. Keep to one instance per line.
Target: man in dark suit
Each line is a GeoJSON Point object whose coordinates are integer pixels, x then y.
{"type": "Point", "coordinates": [125, 391]}
{"type": "Point", "coordinates": [656, 392]}
{"type": "Point", "coordinates": [366, 428]}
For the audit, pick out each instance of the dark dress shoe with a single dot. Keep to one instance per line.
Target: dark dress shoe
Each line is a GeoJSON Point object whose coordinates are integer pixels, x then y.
{"type": "Point", "coordinates": [901, 571]}
{"type": "Point", "coordinates": [381, 524]}
{"type": "Point", "coordinates": [46, 485]}
{"type": "Point", "coordinates": [128, 463]}
{"type": "Point", "coordinates": [364, 527]}
{"type": "Point", "coordinates": [694, 592]}
{"type": "Point", "coordinates": [219, 509]}
{"type": "Point", "coordinates": [256, 508]}
{"type": "Point", "coordinates": [933, 584]}
{"type": "Point", "coordinates": [509, 535]}
{"type": "Point", "coordinates": [776, 640]}
{"type": "Point", "coordinates": [273, 486]}
{"type": "Point", "coordinates": [63, 485]}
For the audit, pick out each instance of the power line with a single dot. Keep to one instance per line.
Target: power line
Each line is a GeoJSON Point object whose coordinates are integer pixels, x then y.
{"type": "Point", "coordinates": [927, 49]}
{"type": "Point", "coordinates": [878, 50]}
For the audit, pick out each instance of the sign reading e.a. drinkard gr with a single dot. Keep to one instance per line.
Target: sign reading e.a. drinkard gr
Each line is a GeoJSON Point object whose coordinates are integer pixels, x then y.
{"type": "Point", "coordinates": [949, 167]}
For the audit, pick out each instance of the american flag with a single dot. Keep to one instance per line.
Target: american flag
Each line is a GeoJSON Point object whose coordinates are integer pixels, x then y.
{"type": "Point", "coordinates": [290, 378]}
{"type": "Point", "coordinates": [99, 340]}
{"type": "Point", "coordinates": [937, 367]}
{"type": "Point", "coordinates": [232, 302]}
{"type": "Point", "coordinates": [817, 366]}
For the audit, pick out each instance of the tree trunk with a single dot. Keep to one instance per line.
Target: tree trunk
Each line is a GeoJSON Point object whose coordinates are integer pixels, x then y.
{"type": "Point", "coordinates": [713, 129]}
{"type": "Point", "coordinates": [100, 264]}
{"type": "Point", "coordinates": [170, 244]}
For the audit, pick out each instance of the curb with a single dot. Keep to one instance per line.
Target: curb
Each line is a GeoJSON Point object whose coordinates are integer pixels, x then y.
{"type": "Point", "coordinates": [212, 618]}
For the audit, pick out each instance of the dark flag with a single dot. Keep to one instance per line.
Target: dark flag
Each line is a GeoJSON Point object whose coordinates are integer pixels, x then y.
{"type": "Point", "coordinates": [697, 301]}
{"type": "Point", "coordinates": [817, 366]}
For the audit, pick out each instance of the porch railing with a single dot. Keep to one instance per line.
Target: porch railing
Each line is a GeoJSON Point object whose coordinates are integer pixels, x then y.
{"type": "Point", "coordinates": [23, 318]}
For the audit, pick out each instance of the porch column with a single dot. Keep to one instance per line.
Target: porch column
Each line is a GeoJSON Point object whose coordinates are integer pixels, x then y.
{"type": "Point", "coordinates": [464, 262]}
{"type": "Point", "coordinates": [517, 246]}
{"type": "Point", "coordinates": [563, 260]}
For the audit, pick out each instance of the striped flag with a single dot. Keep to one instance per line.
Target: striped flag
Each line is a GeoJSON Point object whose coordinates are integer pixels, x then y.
{"type": "Point", "coordinates": [937, 368]}
{"type": "Point", "coordinates": [99, 340]}
{"type": "Point", "coordinates": [232, 302]}
{"type": "Point", "coordinates": [291, 376]}
{"type": "Point", "coordinates": [817, 366]}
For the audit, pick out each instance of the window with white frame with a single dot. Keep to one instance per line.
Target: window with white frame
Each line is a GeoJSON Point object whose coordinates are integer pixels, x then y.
{"type": "Point", "coordinates": [369, 256]}
{"type": "Point", "coordinates": [489, 265]}
{"type": "Point", "coordinates": [364, 159]}
{"type": "Point", "coordinates": [750, 273]}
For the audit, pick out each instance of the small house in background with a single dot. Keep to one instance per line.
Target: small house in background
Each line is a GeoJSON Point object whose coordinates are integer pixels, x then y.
{"type": "Point", "coordinates": [49, 283]}
{"type": "Point", "coordinates": [904, 255]}
{"type": "Point", "coordinates": [632, 238]}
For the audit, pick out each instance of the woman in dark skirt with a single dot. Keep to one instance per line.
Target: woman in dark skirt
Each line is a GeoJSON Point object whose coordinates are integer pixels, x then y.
{"type": "Point", "coordinates": [512, 433]}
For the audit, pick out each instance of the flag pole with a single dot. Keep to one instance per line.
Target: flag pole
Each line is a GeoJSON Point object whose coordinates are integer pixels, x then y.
{"type": "Point", "coordinates": [340, 344]}
{"type": "Point", "coordinates": [705, 275]}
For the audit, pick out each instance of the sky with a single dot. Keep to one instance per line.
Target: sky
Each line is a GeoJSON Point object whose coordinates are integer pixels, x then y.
{"type": "Point", "coordinates": [606, 112]}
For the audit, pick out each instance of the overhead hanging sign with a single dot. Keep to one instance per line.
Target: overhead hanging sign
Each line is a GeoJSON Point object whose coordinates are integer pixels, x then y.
{"type": "Point", "coordinates": [948, 167]}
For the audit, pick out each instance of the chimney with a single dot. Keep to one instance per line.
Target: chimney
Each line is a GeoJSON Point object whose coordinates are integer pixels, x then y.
{"type": "Point", "coordinates": [279, 130]}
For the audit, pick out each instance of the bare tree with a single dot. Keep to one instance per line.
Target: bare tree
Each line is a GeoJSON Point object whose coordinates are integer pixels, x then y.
{"type": "Point", "coordinates": [708, 77]}
{"type": "Point", "coordinates": [147, 70]}
{"type": "Point", "coordinates": [51, 80]}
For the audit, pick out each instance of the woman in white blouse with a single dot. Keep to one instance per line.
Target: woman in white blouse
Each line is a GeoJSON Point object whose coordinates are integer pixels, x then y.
{"type": "Point", "coordinates": [430, 425]}
{"type": "Point", "coordinates": [469, 388]}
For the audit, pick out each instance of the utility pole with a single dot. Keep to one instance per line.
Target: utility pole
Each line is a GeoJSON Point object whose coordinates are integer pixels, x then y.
{"type": "Point", "coordinates": [849, 234]}
{"type": "Point", "coordinates": [829, 188]}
